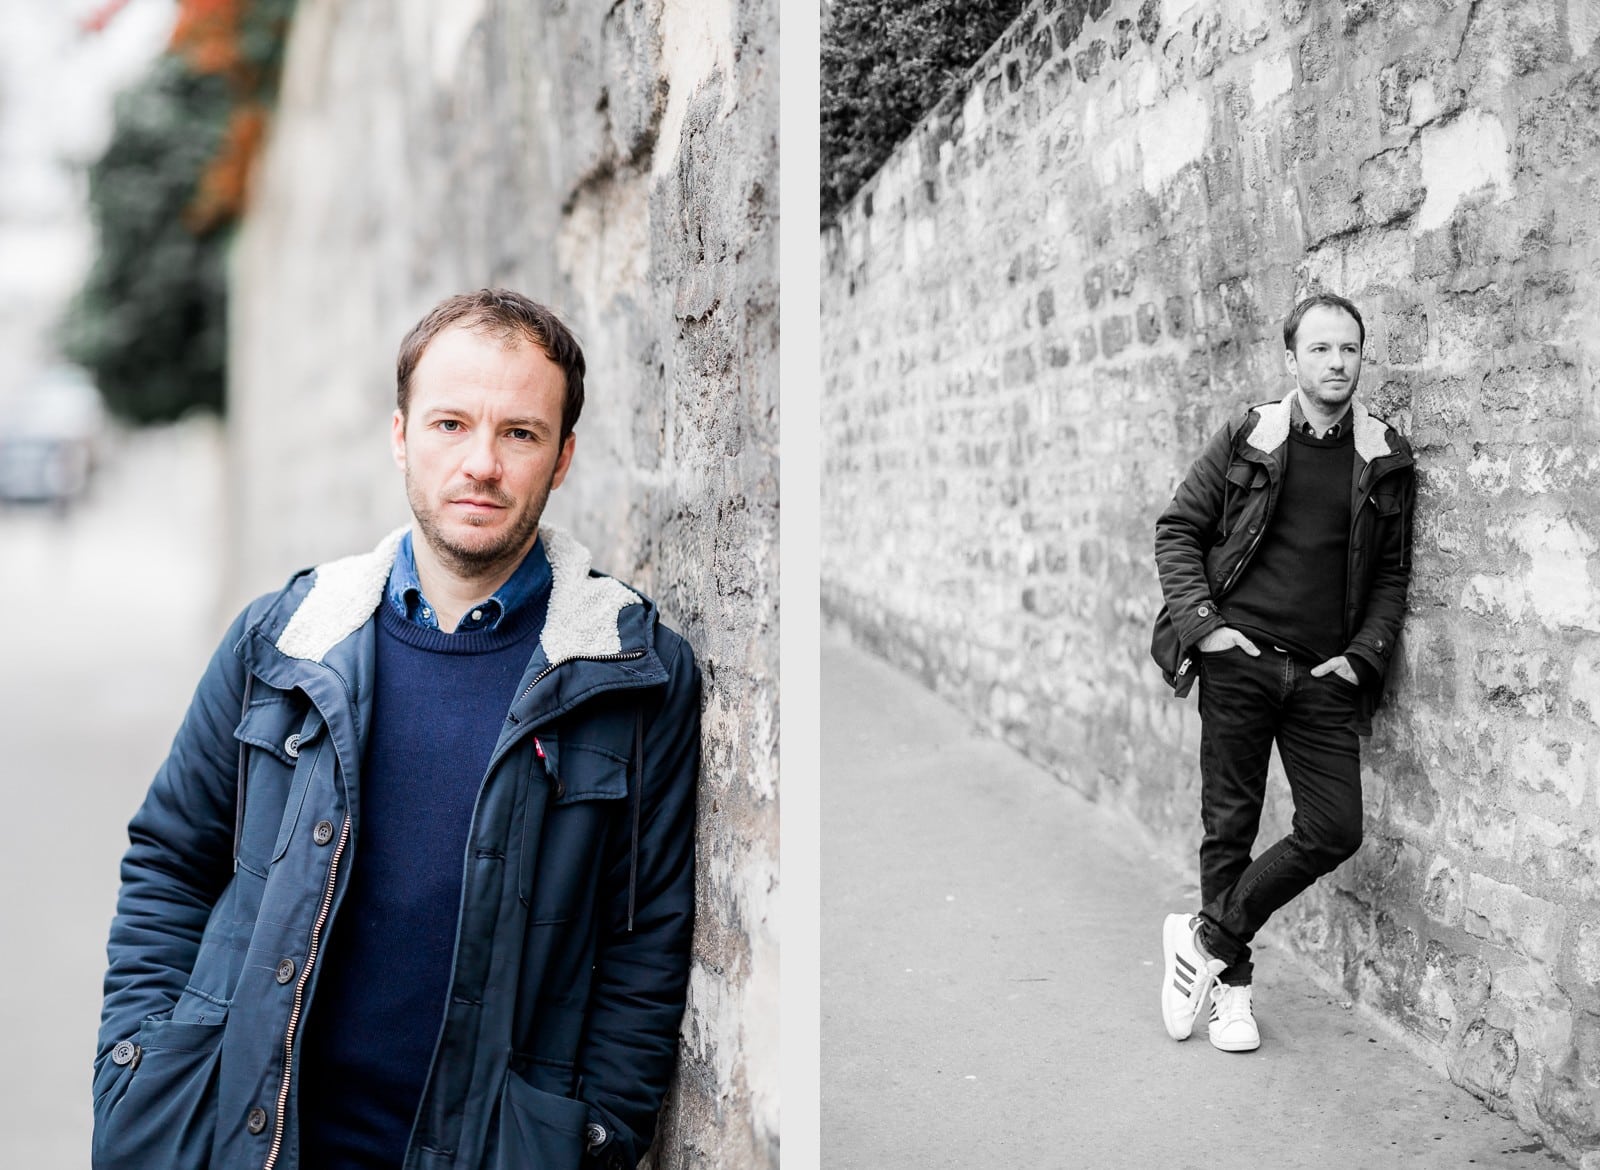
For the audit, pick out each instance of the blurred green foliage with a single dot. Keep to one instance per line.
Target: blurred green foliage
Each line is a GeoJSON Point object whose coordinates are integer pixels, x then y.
{"type": "Point", "coordinates": [886, 63]}
{"type": "Point", "coordinates": [149, 322]}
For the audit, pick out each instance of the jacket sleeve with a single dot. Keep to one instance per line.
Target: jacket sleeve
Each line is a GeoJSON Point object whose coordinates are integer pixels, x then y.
{"type": "Point", "coordinates": [1185, 531]}
{"type": "Point", "coordinates": [1374, 643]}
{"type": "Point", "coordinates": [179, 858]}
{"type": "Point", "coordinates": [626, 1060]}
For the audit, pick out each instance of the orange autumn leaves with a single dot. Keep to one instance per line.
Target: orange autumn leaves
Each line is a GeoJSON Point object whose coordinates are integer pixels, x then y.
{"type": "Point", "coordinates": [210, 37]}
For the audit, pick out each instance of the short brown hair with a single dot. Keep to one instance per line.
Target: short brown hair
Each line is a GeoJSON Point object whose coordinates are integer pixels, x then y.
{"type": "Point", "coordinates": [507, 316]}
{"type": "Point", "coordinates": [1323, 300]}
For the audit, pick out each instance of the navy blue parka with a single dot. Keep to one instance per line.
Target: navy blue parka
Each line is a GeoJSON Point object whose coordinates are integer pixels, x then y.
{"type": "Point", "coordinates": [573, 941]}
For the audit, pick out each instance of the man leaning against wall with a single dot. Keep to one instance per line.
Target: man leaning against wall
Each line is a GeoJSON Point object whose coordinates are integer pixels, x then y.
{"type": "Point", "coordinates": [415, 886]}
{"type": "Point", "coordinates": [1284, 559]}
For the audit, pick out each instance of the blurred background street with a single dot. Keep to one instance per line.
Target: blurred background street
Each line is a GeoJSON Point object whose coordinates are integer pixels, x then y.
{"type": "Point", "coordinates": [110, 615]}
{"type": "Point", "coordinates": [108, 572]}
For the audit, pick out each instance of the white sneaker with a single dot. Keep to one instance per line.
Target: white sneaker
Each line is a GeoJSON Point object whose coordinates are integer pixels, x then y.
{"type": "Point", "coordinates": [1186, 976]}
{"type": "Point", "coordinates": [1233, 1024]}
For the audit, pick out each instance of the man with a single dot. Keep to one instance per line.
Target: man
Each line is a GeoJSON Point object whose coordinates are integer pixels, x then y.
{"type": "Point", "coordinates": [1284, 560]}
{"type": "Point", "coordinates": [415, 885]}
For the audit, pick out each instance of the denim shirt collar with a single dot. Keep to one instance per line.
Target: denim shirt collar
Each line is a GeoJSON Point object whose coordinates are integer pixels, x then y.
{"type": "Point", "coordinates": [530, 582]}
{"type": "Point", "coordinates": [1299, 422]}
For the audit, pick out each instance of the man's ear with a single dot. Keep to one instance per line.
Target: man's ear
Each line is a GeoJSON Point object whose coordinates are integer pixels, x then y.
{"type": "Point", "coordinates": [397, 439]}
{"type": "Point", "coordinates": [563, 461]}
{"type": "Point", "coordinates": [1289, 363]}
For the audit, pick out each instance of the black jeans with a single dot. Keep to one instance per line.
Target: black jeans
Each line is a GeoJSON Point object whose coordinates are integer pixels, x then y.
{"type": "Point", "coordinates": [1245, 704]}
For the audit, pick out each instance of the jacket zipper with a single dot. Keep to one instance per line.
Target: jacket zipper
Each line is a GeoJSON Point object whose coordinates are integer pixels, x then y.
{"type": "Point", "coordinates": [625, 656]}
{"type": "Point", "coordinates": [299, 995]}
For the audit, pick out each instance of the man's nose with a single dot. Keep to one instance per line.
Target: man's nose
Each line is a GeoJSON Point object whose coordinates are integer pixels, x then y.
{"type": "Point", "coordinates": [482, 460]}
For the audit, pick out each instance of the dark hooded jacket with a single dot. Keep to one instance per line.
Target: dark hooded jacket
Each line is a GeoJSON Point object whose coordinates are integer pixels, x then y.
{"type": "Point", "coordinates": [573, 940]}
{"type": "Point", "coordinates": [1207, 535]}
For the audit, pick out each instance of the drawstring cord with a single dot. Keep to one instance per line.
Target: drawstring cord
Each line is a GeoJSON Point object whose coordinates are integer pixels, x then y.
{"type": "Point", "coordinates": [638, 795]}
{"type": "Point", "coordinates": [238, 803]}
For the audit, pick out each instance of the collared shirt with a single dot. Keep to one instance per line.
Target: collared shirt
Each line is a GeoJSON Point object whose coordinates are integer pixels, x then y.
{"type": "Point", "coordinates": [1298, 420]}
{"type": "Point", "coordinates": [531, 582]}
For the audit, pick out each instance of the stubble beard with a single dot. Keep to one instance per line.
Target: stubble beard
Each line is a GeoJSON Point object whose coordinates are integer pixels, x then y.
{"type": "Point", "coordinates": [478, 560]}
{"type": "Point", "coordinates": [1317, 392]}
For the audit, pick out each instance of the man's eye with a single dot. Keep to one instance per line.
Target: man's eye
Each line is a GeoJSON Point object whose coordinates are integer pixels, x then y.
{"type": "Point", "coordinates": [521, 434]}
{"type": "Point", "coordinates": [449, 425]}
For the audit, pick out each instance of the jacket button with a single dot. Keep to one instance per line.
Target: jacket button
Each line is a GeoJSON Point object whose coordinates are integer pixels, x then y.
{"type": "Point", "coordinates": [291, 746]}
{"type": "Point", "coordinates": [126, 1052]}
{"type": "Point", "coordinates": [594, 1136]}
{"type": "Point", "coordinates": [1205, 611]}
{"type": "Point", "coordinates": [323, 833]}
{"type": "Point", "coordinates": [285, 970]}
{"type": "Point", "coordinates": [256, 1120]}
{"type": "Point", "coordinates": [1254, 528]}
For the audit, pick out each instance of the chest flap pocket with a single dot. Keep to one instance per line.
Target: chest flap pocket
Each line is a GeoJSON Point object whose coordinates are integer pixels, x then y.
{"type": "Point", "coordinates": [1244, 493]}
{"type": "Point", "coordinates": [588, 789]}
{"type": "Point", "coordinates": [280, 738]}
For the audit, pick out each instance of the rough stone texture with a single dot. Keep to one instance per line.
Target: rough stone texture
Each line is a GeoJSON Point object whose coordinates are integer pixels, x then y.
{"type": "Point", "coordinates": [618, 161]}
{"type": "Point", "coordinates": [1075, 269]}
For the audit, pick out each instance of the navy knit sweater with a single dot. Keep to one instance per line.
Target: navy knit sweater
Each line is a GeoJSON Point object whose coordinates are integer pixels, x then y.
{"type": "Point", "coordinates": [438, 707]}
{"type": "Point", "coordinates": [1293, 592]}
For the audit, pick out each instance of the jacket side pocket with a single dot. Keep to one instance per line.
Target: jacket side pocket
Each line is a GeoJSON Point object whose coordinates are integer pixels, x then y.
{"type": "Point", "coordinates": [161, 1109]}
{"type": "Point", "coordinates": [539, 1129]}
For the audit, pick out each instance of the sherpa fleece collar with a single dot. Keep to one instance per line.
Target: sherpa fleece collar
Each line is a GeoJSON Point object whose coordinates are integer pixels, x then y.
{"type": "Point", "coordinates": [1272, 429]}
{"type": "Point", "coordinates": [581, 620]}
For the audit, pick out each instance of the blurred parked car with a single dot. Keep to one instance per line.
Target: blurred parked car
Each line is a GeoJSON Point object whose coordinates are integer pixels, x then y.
{"type": "Point", "coordinates": [50, 437]}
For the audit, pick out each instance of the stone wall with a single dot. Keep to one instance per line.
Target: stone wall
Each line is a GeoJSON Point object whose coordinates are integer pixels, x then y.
{"type": "Point", "coordinates": [1077, 267]}
{"type": "Point", "coordinates": [619, 162]}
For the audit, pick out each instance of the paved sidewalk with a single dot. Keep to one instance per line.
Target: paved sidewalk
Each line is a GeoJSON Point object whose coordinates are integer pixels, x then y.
{"type": "Point", "coordinates": [990, 960]}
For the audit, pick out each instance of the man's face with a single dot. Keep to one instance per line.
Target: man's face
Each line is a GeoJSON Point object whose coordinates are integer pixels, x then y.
{"type": "Point", "coordinates": [1326, 359]}
{"type": "Point", "coordinates": [480, 447]}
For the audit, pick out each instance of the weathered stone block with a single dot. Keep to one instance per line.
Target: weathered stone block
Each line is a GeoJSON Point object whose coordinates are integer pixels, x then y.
{"type": "Point", "coordinates": [1332, 206]}
{"type": "Point", "coordinates": [1070, 22]}
{"type": "Point", "coordinates": [1583, 681]}
{"type": "Point", "coordinates": [1040, 49]}
{"type": "Point", "coordinates": [1094, 286]}
{"type": "Point", "coordinates": [1121, 278]}
{"type": "Point", "coordinates": [1390, 186]}
{"type": "Point", "coordinates": [1177, 315]}
{"type": "Point", "coordinates": [1525, 681]}
{"type": "Point", "coordinates": [1087, 348]}
{"type": "Point", "coordinates": [1115, 335]}
{"type": "Point", "coordinates": [1089, 62]}
{"type": "Point", "coordinates": [1560, 854]}
{"type": "Point", "coordinates": [1406, 335]}
{"type": "Point", "coordinates": [1300, 136]}
{"type": "Point", "coordinates": [1443, 898]}
{"type": "Point", "coordinates": [1486, 1060]}
{"type": "Point", "coordinates": [1550, 765]}
{"type": "Point", "coordinates": [1149, 21]}
{"type": "Point", "coordinates": [1504, 915]}
{"type": "Point", "coordinates": [1435, 255]}
{"type": "Point", "coordinates": [1417, 89]}
{"type": "Point", "coordinates": [1148, 323]}
{"type": "Point", "coordinates": [1561, 129]}
{"type": "Point", "coordinates": [1385, 971]}
{"type": "Point", "coordinates": [1316, 54]}
{"type": "Point", "coordinates": [1019, 367]}
{"type": "Point", "coordinates": [1573, 1110]}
